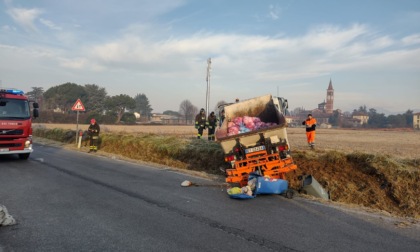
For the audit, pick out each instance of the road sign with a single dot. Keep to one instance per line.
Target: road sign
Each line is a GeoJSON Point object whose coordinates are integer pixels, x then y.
{"type": "Point", "coordinates": [78, 106]}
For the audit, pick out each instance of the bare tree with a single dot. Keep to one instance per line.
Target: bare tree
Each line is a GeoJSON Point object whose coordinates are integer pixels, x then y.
{"type": "Point", "coordinates": [37, 95]}
{"type": "Point", "coordinates": [188, 110]}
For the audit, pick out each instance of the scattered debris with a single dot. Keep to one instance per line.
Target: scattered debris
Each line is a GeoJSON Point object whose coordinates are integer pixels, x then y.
{"type": "Point", "coordinates": [311, 187]}
{"type": "Point", "coordinates": [5, 218]}
{"type": "Point", "coordinates": [258, 184]}
{"type": "Point", "coordinates": [188, 183]}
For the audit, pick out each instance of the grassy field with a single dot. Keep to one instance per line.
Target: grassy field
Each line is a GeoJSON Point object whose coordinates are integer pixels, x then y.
{"type": "Point", "coordinates": [378, 169]}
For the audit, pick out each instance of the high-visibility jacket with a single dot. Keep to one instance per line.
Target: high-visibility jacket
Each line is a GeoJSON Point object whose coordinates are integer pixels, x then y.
{"type": "Point", "coordinates": [310, 124]}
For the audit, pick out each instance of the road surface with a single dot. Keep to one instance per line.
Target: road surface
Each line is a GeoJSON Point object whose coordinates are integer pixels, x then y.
{"type": "Point", "coordinates": [65, 200]}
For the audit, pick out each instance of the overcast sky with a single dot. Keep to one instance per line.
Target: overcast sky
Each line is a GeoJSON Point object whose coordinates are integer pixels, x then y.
{"type": "Point", "coordinates": [369, 49]}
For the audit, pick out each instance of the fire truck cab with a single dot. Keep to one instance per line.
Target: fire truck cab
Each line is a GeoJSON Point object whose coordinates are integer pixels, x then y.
{"type": "Point", "coordinates": [16, 123]}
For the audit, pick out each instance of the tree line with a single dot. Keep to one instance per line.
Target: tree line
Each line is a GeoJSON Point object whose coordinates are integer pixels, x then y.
{"type": "Point", "coordinates": [376, 120]}
{"type": "Point", "coordinates": [56, 103]}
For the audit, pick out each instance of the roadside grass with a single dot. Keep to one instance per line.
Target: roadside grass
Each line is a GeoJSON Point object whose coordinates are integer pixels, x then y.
{"type": "Point", "coordinates": [170, 150]}
{"type": "Point", "coordinates": [191, 154]}
{"type": "Point", "coordinates": [376, 181]}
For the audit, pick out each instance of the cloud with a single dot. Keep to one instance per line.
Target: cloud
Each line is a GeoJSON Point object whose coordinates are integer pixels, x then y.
{"type": "Point", "coordinates": [80, 64]}
{"type": "Point", "coordinates": [274, 12]}
{"type": "Point", "coordinates": [411, 40]}
{"type": "Point", "coordinates": [320, 52]}
{"type": "Point", "coordinates": [238, 60]}
{"type": "Point", "coordinates": [329, 37]}
{"type": "Point", "coordinates": [8, 28]}
{"type": "Point", "coordinates": [25, 17]}
{"type": "Point", "coordinates": [50, 24]}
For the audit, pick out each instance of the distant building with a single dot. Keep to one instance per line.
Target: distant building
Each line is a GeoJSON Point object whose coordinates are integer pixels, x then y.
{"type": "Point", "coordinates": [58, 110]}
{"type": "Point", "coordinates": [361, 117]}
{"type": "Point", "coordinates": [322, 106]}
{"type": "Point", "coordinates": [169, 120]}
{"type": "Point", "coordinates": [322, 113]}
{"type": "Point", "coordinates": [416, 121]}
{"type": "Point", "coordinates": [158, 118]}
{"type": "Point", "coordinates": [320, 116]}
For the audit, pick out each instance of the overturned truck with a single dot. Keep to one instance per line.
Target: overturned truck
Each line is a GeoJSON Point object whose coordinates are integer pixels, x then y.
{"type": "Point", "coordinates": [254, 139]}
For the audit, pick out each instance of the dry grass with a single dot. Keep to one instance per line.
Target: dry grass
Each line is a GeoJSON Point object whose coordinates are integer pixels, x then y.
{"type": "Point", "coordinates": [130, 129]}
{"type": "Point", "coordinates": [395, 143]}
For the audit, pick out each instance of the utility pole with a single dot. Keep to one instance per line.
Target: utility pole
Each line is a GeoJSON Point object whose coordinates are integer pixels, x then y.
{"type": "Point", "coordinates": [208, 86]}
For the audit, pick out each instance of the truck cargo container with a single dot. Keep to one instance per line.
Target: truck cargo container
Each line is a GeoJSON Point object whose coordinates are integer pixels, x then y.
{"type": "Point", "coordinates": [253, 137]}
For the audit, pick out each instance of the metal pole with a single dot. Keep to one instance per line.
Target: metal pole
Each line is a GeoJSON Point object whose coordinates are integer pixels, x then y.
{"type": "Point", "coordinates": [208, 86]}
{"type": "Point", "coordinates": [77, 127]}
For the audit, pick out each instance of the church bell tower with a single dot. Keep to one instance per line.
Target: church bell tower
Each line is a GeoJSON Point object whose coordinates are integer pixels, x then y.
{"type": "Point", "coordinates": [330, 99]}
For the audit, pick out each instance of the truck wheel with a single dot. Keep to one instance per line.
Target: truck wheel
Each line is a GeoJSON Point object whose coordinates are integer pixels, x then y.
{"type": "Point", "coordinates": [24, 156]}
{"type": "Point", "coordinates": [289, 194]}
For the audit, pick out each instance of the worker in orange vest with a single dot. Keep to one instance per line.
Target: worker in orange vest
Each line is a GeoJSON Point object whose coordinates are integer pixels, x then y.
{"type": "Point", "coordinates": [310, 124]}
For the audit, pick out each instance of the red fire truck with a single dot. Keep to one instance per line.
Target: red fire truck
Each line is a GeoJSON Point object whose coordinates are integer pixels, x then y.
{"type": "Point", "coordinates": [16, 123]}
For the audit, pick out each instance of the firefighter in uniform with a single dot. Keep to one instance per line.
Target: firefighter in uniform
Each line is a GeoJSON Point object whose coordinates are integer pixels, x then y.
{"type": "Point", "coordinates": [211, 124]}
{"type": "Point", "coordinates": [310, 124]}
{"type": "Point", "coordinates": [200, 122]}
{"type": "Point", "coordinates": [93, 132]}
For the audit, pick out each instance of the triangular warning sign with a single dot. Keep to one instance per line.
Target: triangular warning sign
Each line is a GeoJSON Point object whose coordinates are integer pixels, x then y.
{"type": "Point", "coordinates": [78, 106]}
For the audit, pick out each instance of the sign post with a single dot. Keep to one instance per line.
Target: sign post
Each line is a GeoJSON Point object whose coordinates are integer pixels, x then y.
{"type": "Point", "coordinates": [78, 106]}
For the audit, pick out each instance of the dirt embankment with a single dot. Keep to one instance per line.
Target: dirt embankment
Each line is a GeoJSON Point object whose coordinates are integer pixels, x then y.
{"type": "Point", "coordinates": [369, 180]}
{"type": "Point", "coordinates": [379, 169]}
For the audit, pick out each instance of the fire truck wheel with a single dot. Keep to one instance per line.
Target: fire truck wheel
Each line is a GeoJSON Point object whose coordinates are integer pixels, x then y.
{"type": "Point", "coordinates": [24, 156]}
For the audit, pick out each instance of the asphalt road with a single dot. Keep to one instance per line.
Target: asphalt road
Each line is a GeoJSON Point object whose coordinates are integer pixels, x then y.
{"type": "Point", "coordinates": [66, 200]}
